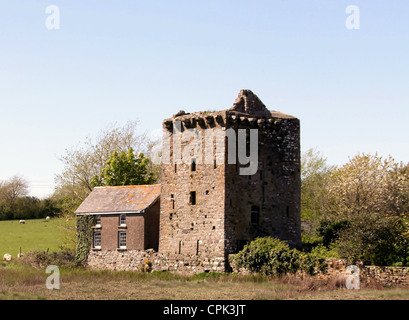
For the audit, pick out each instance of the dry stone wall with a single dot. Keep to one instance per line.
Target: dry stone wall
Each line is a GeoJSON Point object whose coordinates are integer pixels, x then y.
{"type": "Point", "coordinates": [149, 260]}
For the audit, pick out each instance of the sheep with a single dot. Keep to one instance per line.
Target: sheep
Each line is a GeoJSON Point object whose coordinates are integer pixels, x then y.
{"type": "Point", "coordinates": [22, 222]}
{"type": "Point", "coordinates": [47, 218]}
{"type": "Point", "coordinates": [7, 257]}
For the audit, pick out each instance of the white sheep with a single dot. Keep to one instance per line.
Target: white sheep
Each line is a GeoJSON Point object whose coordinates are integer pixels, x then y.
{"type": "Point", "coordinates": [47, 218]}
{"type": "Point", "coordinates": [22, 222]}
{"type": "Point", "coordinates": [7, 257]}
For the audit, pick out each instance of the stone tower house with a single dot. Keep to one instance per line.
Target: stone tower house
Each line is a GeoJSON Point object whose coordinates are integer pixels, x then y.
{"type": "Point", "coordinates": [209, 208]}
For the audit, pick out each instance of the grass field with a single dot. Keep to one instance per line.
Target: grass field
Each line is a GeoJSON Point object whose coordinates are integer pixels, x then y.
{"type": "Point", "coordinates": [23, 282]}
{"type": "Point", "coordinates": [37, 234]}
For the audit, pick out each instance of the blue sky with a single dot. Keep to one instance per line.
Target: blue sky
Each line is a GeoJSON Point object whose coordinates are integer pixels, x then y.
{"type": "Point", "coordinates": [113, 61]}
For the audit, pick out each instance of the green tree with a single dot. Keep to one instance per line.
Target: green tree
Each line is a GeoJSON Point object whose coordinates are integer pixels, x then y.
{"type": "Point", "coordinates": [87, 160]}
{"type": "Point", "coordinates": [314, 184]}
{"type": "Point", "coordinates": [125, 168]}
{"type": "Point", "coordinates": [372, 237]}
{"type": "Point", "coordinates": [369, 184]}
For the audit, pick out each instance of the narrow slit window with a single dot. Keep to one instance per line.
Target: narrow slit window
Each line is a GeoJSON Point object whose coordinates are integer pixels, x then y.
{"type": "Point", "coordinates": [192, 199]}
{"type": "Point", "coordinates": [255, 214]}
{"type": "Point", "coordinates": [193, 165]}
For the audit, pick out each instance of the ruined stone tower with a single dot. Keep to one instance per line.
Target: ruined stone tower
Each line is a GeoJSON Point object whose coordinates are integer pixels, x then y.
{"type": "Point", "coordinates": [209, 208]}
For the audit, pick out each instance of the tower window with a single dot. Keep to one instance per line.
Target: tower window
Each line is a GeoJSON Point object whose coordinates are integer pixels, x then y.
{"type": "Point", "coordinates": [192, 199]}
{"type": "Point", "coordinates": [255, 214]}
{"type": "Point", "coordinates": [193, 165]}
{"type": "Point", "coordinates": [172, 198]}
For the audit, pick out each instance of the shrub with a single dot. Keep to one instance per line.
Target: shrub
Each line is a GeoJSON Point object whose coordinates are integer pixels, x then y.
{"type": "Point", "coordinates": [42, 259]}
{"type": "Point", "coordinates": [330, 230]}
{"type": "Point", "coordinates": [269, 256]}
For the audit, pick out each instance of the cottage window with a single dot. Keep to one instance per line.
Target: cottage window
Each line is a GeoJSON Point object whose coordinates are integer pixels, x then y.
{"type": "Point", "coordinates": [122, 220]}
{"type": "Point", "coordinates": [98, 221]}
{"type": "Point", "coordinates": [97, 240]}
{"type": "Point", "coordinates": [122, 239]}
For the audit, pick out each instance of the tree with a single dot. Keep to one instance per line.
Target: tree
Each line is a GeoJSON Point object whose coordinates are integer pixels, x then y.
{"type": "Point", "coordinates": [372, 237]}
{"type": "Point", "coordinates": [314, 180]}
{"type": "Point", "coordinates": [13, 188]}
{"type": "Point", "coordinates": [84, 162]}
{"type": "Point", "coordinates": [125, 168]}
{"type": "Point", "coordinates": [369, 184]}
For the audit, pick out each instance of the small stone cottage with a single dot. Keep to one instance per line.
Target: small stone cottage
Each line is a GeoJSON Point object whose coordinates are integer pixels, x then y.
{"type": "Point", "coordinates": [127, 217]}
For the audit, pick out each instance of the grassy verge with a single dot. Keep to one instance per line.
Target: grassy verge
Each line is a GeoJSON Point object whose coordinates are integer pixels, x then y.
{"type": "Point", "coordinates": [22, 282]}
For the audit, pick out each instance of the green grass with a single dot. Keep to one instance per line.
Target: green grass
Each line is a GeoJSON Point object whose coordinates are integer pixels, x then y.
{"type": "Point", "coordinates": [37, 234]}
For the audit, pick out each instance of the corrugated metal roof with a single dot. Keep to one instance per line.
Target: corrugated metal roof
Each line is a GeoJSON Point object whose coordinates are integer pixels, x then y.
{"type": "Point", "coordinates": [120, 199]}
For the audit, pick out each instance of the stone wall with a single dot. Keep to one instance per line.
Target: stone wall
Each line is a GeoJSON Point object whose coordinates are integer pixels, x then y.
{"type": "Point", "coordinates": [149, 260]}
{"type": "Point", "coordinates": [273, 192]}
{"type": "Point", "coordinates": [186, 228]}
{"type": "Point", "coordinates": [385, 276]}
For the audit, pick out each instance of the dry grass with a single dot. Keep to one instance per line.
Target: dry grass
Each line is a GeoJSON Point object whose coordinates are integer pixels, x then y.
{"type": "Point", "coordinates": [22, 282]}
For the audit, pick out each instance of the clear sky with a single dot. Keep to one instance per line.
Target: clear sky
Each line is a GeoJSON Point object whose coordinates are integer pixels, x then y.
{"type": "Point", "coordinates": [112, 61]}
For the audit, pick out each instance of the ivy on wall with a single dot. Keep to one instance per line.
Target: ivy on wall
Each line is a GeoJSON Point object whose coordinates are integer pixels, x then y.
{"type": "Point", "coordinates": [84, 238]}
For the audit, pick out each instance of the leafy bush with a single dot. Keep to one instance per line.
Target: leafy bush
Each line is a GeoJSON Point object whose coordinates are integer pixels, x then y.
{"type": "Point", "coordinates": [309, 242]}
{"type": "Point", "coordinates": [373, 238]}
{"type": "Point", "coordinates": [269, 256]}
{"type": "Point", "coordinates": [42, 259]}
{"type": "Point", "coordinates": [330, 230]}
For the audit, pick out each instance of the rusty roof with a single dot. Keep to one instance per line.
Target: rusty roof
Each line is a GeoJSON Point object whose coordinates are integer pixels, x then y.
{"type": "Point", "coordinates": [130, 199]}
